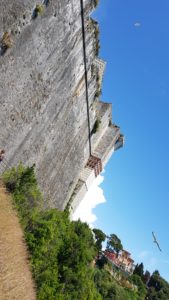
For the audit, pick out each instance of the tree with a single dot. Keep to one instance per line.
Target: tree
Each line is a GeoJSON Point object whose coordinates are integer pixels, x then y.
{"type": "Point", "coordinates": [115, 243]}
{"type": "Point", "coordinates": [100, 237]}
{"type": "Point", "coordinates": [101, 262]}
{"type": "Point", "coordinates": [146, 277]}
{"type": "Point", "coordinates": [139, 270]}
{"type": "Point", "coordinates": [109, 288]}
{"type": "Point", "coordinates": [158, 288]}
{"type": "Point", "coordinates": [140, 285]}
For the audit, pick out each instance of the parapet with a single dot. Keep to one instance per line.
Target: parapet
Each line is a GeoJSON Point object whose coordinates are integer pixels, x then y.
{"type": "Point", "coordinates": [105, 141]}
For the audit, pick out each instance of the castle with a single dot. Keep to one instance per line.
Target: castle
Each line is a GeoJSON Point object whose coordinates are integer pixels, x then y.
{"type": "Point", "coordinates": [44, 116]}
{"type": "Point", "coordinates": [105, 139]}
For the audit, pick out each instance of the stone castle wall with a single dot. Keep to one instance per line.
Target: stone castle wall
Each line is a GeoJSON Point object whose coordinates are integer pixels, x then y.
{"type": "Point", "coordinates": [43, 117]}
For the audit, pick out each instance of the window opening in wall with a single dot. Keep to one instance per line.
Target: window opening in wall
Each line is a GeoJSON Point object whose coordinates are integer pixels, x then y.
{"type": "Point", "coordinates": [95, 163]}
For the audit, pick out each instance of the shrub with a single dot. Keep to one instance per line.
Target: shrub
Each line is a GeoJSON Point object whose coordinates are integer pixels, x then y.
{"type": "Point", "coordinates": [98, 78]}
{"type": "Point", "coordinates": [61, 251]}
{"type": "Point", "coordinates": [136, 280]}
{"type": "Point", "coordinates": [96, 126]}
{"type": "Point", "coordinates": [22, 184]}
{"type": "Point", "coordinates": [5, 43]}
{"type": "Point", "coordinates": [97, 94]}
{"type": "Point", "coordinates": [97, 48]}
{"type": "Point", "coordinates": [95, 2]}
{"type": "Point", "coordinates": [6, 40]}
{"type": "Point", "coordinates": [39, 10]}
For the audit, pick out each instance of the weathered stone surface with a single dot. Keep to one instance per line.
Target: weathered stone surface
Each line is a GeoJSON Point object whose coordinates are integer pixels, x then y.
{"type": "Point", "coordinates": [42, 120]}
{"type": "Point", "coordinates": [43, 111]}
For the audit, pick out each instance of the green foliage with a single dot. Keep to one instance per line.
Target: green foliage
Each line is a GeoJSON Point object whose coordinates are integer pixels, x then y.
{"type": "Point", "coordinates": [97, 48]}
{"type": "Point", "coordinates": [39, 10]}
{"type": "Point", "coordinates": [139, 270]}
{"type": "Point", "coordinates": [98, 93]}
{"type": "Point", "coordinates": [146, 277]}
{"type": "Point", "coordinates": [158, 288]}
{"type": "Point", "coordinates": [95, 2]}
{"type": "Point", "coordinates": [136, 280]}
{"type": "Point", "coordinates": [115, 243]}
{"type": "Point", "coordinates": [61, 255]}
{"type": "Point", "coordinates": [62, 252]}
{"type": "Point", "coordinates": [100, 237]}
{"type": "Point", "coordinates": [101, 261]}
{"type": "Point", "coordinates": [110, 289]}
{"type": "Point", "coordinates": [95, 126]}
{"type": "Point", "coordinates": [22, 184]}
{"type": "Point", "coordinates": [5, 42]}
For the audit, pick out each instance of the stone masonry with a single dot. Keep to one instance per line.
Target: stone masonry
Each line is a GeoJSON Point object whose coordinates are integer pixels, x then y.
{"type": "Point", "coordinates": [43, 116]}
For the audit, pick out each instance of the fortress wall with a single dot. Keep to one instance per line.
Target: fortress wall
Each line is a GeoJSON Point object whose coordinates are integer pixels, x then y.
{"type": "Point", "coordinates": [40, 122]}
{"type": "Point", "coordinates": [43, 115]}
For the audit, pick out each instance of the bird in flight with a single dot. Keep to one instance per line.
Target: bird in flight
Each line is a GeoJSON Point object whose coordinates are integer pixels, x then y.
{"type": "Point", "coordinates": [137, 24]}
{"type": "Point", "coordinates": [155, 241]}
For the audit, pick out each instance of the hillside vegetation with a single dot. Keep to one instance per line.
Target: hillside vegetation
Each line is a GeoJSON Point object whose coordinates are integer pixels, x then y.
{"type": "Point", "coordinates": [15, 274]}
{"type": "Point", "coordinates": [63, 254]}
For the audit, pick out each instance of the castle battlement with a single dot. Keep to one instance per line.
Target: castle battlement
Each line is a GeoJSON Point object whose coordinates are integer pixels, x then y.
{"type": "Point", "coordinates": [105, 141]}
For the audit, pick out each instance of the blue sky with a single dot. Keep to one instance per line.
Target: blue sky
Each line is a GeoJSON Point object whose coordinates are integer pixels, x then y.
{"type": "Point", "coordinates": [136, 81]}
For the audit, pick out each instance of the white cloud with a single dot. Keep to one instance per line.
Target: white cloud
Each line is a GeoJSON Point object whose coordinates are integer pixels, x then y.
{"type": "Point", "coordinates": [93, 197]}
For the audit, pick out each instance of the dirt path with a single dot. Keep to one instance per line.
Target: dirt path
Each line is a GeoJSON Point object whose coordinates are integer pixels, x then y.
{"type": "Point", "coordinates": [15, 276]}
